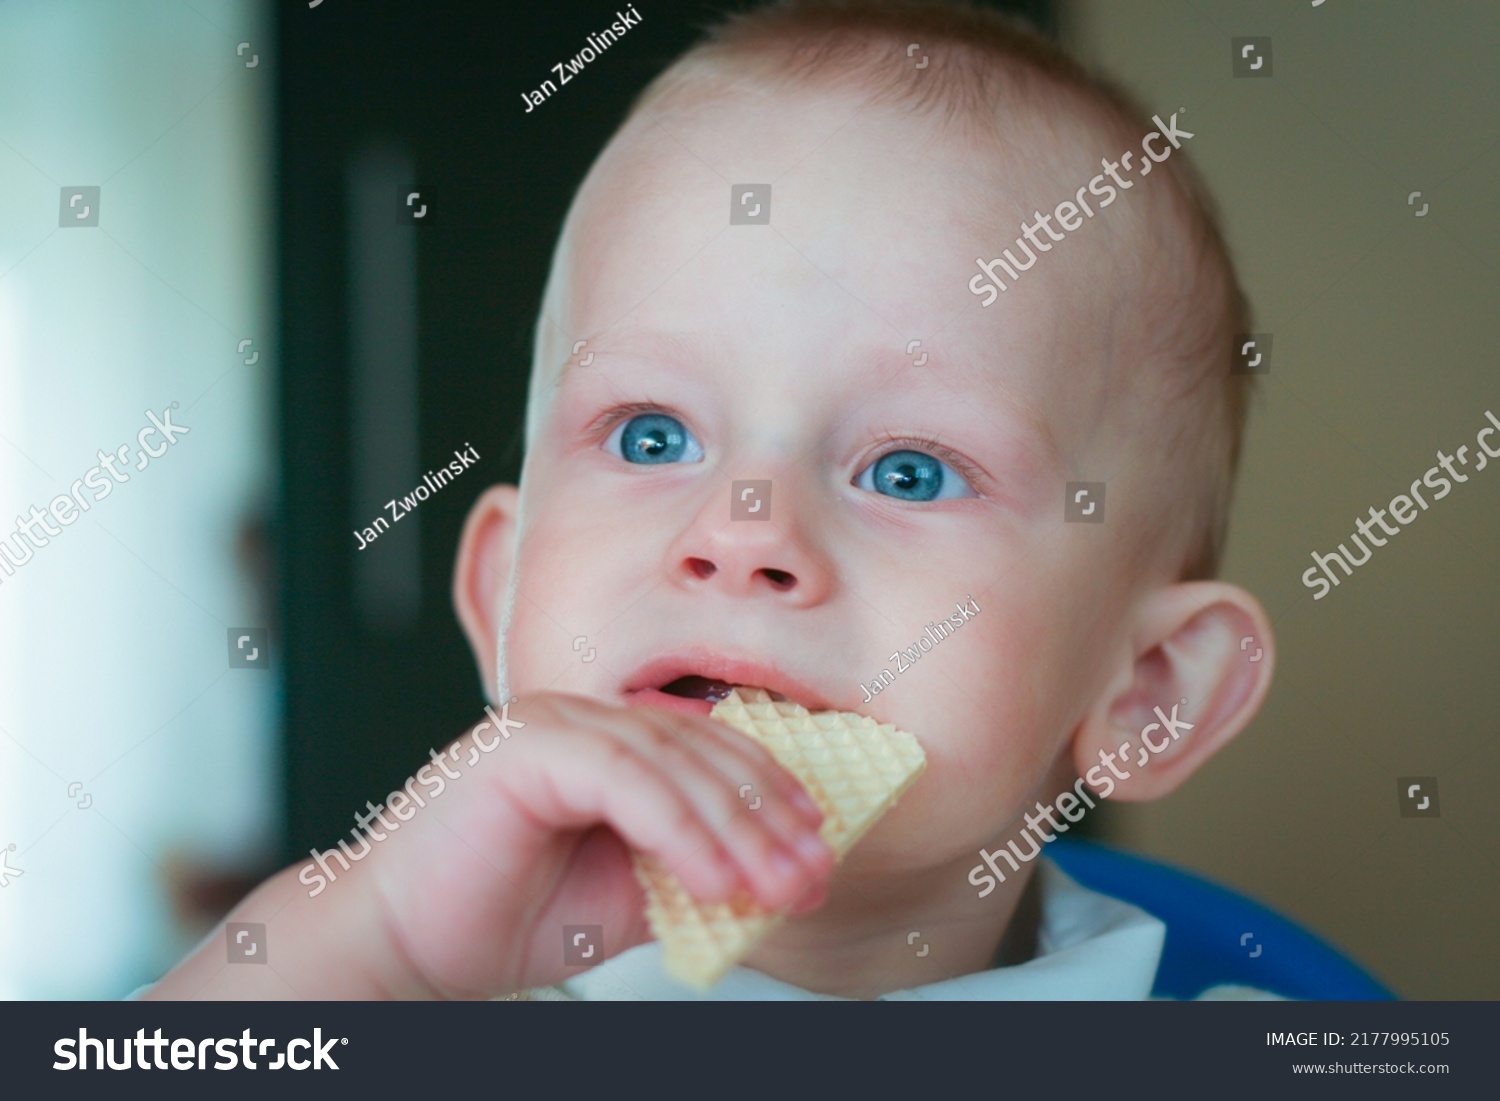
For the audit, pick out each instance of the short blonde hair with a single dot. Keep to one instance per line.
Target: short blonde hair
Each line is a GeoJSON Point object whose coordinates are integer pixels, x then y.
{"type": "Point", "coordinates": [1194, 307]}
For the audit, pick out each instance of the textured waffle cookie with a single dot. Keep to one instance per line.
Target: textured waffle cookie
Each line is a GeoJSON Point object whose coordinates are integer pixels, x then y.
{"type": "Point", "coordinates": [854, 767]}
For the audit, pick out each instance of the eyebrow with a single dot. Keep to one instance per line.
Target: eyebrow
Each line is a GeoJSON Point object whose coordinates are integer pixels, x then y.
{"type": "Point", "coordinates": [1035, 437]}
{"type": "Point", "coordinates": [1023, 432]}
{"type": "Point", "coordinates": [645, 343]}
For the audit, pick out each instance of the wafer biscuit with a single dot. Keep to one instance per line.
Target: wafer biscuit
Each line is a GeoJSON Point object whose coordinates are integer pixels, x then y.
{"type": "Point", "coordinates": [852, 766]}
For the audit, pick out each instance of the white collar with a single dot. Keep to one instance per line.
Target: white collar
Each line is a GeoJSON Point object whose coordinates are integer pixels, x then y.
{"type": "Point", "coordinates": [1090, 947]}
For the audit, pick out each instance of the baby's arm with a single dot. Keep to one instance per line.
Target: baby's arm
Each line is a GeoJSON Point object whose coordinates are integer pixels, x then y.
{"type": "Point", "coordinates": [468, 898]}
{"type": "Point", "coordinates": [332, 947]}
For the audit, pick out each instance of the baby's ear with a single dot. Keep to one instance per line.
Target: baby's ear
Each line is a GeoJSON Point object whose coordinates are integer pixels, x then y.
{"type": "Point", "coordinates": [1204, 642]}
{"type": "Point", "coordinates": [486, 553]}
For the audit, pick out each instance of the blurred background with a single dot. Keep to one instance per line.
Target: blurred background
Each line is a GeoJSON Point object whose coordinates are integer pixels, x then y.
{"type": "Point", "coordinates": [202, 676]}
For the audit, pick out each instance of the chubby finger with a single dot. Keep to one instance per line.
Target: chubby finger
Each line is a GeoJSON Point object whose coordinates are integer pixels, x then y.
{"type": "Point", "coordinates": [598, 776]}
{"type": "Point", "coordinates": [748, 753]}
{"type": "Point", "coordinates": [590, 778]}
{"type": "Point", "coordinates": [777, 852]}
{"type": "Point", "coordinates": [759, 785]}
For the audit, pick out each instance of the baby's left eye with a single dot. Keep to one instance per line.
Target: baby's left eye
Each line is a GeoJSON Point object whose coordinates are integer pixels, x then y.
{"type": "Point", "coordinates": [654, 438]}
{"type": "Point", "coordinates": [913, 476]}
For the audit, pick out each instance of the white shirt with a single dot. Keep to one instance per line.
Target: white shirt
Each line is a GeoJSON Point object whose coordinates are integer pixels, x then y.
{"type": "Point", "coordinates": [1090, 947]}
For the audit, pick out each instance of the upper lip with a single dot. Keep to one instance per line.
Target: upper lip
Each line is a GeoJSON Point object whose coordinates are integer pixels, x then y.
{"type": "Point", "coordinates": [659, 672]}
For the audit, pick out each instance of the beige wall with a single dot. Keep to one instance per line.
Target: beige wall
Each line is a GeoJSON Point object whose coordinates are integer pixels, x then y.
{"type": "Point", "coordinates": [1387, 349]}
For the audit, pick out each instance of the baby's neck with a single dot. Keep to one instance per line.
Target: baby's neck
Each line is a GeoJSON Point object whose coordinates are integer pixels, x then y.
{"type": "Point", "coordinates": [874, 936]}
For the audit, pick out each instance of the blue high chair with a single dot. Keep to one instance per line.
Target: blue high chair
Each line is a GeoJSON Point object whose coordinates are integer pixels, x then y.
{"type": "Point", "coordinates": [1215, 936]}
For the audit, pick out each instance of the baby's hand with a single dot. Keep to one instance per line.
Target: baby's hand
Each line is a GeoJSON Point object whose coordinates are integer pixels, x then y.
{"type": "Point", "coordinates": [476, 887]}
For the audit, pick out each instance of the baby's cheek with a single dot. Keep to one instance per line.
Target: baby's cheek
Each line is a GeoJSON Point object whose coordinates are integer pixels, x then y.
{"type": "Point", "coordinates": [993, 770]}
{"type": "Point", "coordinates": [552, 596]}
{"type": "Point", "coordinates": [993, 744]}
{"type": "Point", "coordinates": [575, 579]}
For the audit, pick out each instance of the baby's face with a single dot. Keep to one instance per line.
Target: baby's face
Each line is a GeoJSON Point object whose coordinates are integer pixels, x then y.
{"type": "Point", "coordinates": [905, 486]}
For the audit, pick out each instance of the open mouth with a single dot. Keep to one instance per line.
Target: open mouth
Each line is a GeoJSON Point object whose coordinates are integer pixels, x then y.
{"type": "Point", "coordinates": [693, 694]}
{"type": "Point", "coordinates": [693, 680]}
{"type": "Point", "coordinates": [699, 688]}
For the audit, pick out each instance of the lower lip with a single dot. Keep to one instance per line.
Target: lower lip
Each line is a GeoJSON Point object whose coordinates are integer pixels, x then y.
{"type": "Point", "coordinates": [655, 697]}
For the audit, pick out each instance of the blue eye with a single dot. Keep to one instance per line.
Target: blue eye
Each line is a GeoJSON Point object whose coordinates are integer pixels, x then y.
{"type": "Point", "coordinates": [654, 438]}
{"type": "Point", "coordinates": [913, 476]}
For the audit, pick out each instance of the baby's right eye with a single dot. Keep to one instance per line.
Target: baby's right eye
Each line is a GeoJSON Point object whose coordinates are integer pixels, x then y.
{"type": "Point", "coordinates": [654, 438]}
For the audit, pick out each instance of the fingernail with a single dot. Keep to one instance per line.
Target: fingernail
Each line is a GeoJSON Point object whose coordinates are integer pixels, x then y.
{"type": "Point", "coordinates": [807, 804]}
{"type": "Point", "coordinates": [785, 865]}
{"type": "Point", "coordinates": [812, 847]}
{"type": "Point", "coordinates": [811, 901]}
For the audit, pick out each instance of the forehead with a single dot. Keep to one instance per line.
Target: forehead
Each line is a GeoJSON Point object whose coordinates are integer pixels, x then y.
{"type": "Point", "coordinates": [876, 217]}
{"type": "Point", "coordinates": [881, 201]}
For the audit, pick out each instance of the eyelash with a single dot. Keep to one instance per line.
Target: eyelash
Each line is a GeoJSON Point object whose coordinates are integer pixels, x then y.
{"type": "Point", "coordinates": [599, 429]}
{"type": "Point", "coordinates": [889, 443]}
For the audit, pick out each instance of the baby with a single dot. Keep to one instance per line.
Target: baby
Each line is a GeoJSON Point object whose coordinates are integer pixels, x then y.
{"type": "Point", "coordinates": [798, 395]}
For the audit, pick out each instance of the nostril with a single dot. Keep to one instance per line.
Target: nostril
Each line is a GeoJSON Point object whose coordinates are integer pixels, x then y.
{"type": "Point", "coordinates": [780, 578]}
{"type": "Point", "coordinates": [702, 567]}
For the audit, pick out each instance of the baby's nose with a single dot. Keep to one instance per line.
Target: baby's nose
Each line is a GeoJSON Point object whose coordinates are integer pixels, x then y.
{"type": "Point", "coordinates": [783, 580]}
{"type": "Point", "coordinates": [752, 552]}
